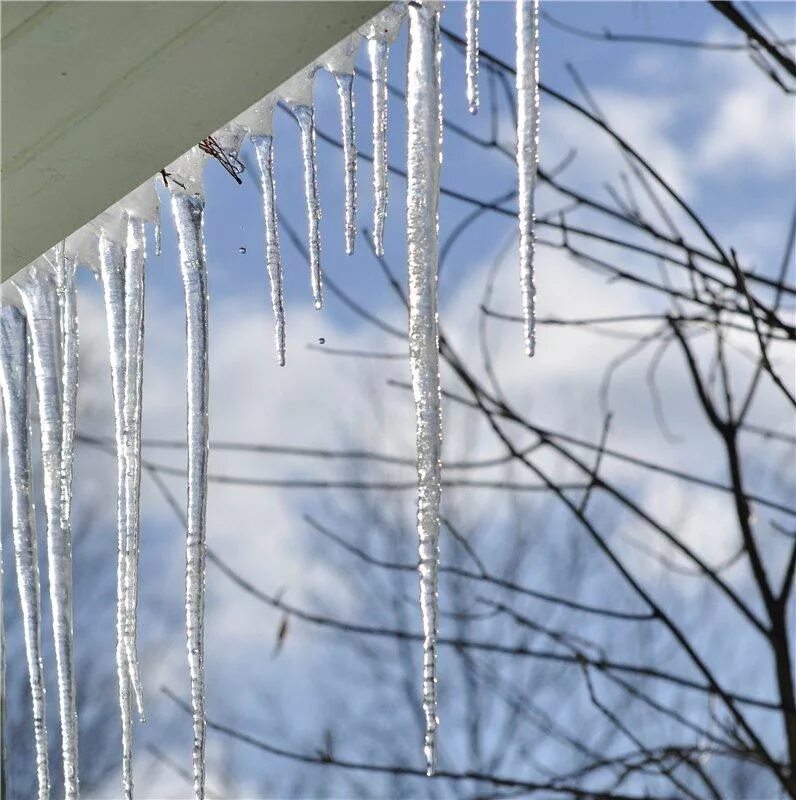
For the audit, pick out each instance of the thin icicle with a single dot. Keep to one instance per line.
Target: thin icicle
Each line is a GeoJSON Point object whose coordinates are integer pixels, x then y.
{"type": "Point", "coordinates": [14, 384]}
{"type": "Point", "coordinates": [39, 296]}
{"type": "Point", "coordinates": [527, 32]}
{"type": "Point", "coordinates": [111, 258]}
{"type": "Point", "coordinates": [305, 116]}
{"type": "Point", "coordinates": [188, 212]}
{"type": "Point", "coordinates": [424, 154]}
{"type": "Point", "coordinates": [264, 149]}
{"type": "Point", "coordinates": [345, 94]}
{"type": "Point", "coordinates": [134, 264]}
{"type": "Point", "coordinates": [471, 58]}
{"type": "Point", "coordinates": [158, 237]}
{"type": "Point", "coordinates": [67, 303]}
{"type": "Point", "coordinates": [379, 52]}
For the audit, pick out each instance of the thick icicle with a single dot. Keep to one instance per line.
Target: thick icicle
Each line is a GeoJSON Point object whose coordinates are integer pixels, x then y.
{"type": "Point", "coordinates": [345, 94]}
{"type": "Point", "coordinates": [527, 32]}
{"type": "Point", "coordinates": [39, 296]}
{"type": "Point", "coordinates": [111, 259]}
{"type": "Point", "coordinates": [188, 211]}
{"type": "Point", "coordinates": [134, 264]}
{"type": "Point", "coordinates": [305, 116]}
{"type": "Point", "coordinates": [14, 384]}
{"type": "Point", "coordinates": [424, 155]}
{"type": "Point", "coordinates": [379, 52]}
{"type": "Point", "coordinates": [264, 149]}
{"type": "Point", "coordinates": [471, 57]}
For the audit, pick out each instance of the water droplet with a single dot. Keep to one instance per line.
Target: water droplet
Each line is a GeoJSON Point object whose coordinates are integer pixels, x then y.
{"type": "Point", "coordinates": [321, 340]}
{"type": "Point", "coordinates": [242, 250]}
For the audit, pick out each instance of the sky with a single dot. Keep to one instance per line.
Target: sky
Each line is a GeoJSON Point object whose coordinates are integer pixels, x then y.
{"type": "Point", "coordinates": [714, 125]}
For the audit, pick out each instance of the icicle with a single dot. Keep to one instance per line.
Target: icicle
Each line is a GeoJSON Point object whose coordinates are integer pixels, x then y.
{"type": "Point", "coordinates": [345, 94]}
{"type": "Point", "coordinates": [305, 116]}
{"type": "Point", "coordinates": [134, 264]}
{"type": "Point", "coordinates": [111, 257]}
{"type": "Point", "coordinates": [471, 24]}
{"type": "Point", "coordinates": [527, 30]}
{"type": "Point", "coordinates": [158, 238]}
{"type": "Point", "coordinates": [264, 149]}
{"type": "Point", "coordinates": [380, 32]}
{"type": "Point", "coordinates": [14, 384]}
{"type": "Point", "coordinates": [39, 297]}
{"type": "Point", "coordinates": [379, 52]}
{"type": "Point", "coordinates": [424, 154]}
{"type": "Point", "coordinates": [67, 303]}
{"type": "Point", "coordinates": [188, 212]}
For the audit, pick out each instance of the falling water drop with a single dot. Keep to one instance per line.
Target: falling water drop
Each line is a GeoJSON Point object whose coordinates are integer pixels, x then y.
{"type": "Point", "coordinates": [39, 296]}
{"type": "Point", "coordinates": [264, 149]}
{"type": "Point", "coordinates": [424, 126]}
{"type": "Point", "coordinates": [242, 251]}
{"type": "Point", "coordinates": [527, 34]}
{"type": "Point", "coordinates": [305, 116]}
{"type": "Point", "coordinates": [471, 57]}
{"type": "Point", "coordinates": [188, 212]}
{"type": "Point", "coordinates": [14, 385]}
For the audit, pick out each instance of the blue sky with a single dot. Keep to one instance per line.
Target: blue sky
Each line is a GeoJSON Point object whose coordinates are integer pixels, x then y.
{"type": "Point", "coordinates": [716, 126]}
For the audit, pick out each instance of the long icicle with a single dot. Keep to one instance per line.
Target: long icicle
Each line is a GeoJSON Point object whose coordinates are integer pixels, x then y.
{"type": "Point", "coordinates": [527, 33]}
{"type": "Point", "coordinates": [39, 296]}
{"type": "Point", "coordinates": [188, 212]}
{"type": "Point", "coordinates": [264, 149]}
{"type": "Point", "coordinates": [379, 53]}
{"type": "Point", "coordinates": [424, 126]}
{"type": "Point", "coordinates": [471, 56]}
{"type": "Point", "coordinates": [111, 258]}
{"type": "Point", "coordinates": [67, 305]}
{"type": "Point", "coordinates": [14, 384]}
{"type": "Point", "coordinates": [134, 265]}
{"type": "Point", "coordinates": [305, 116]}
{"type": "Point", "coordinates": [345, 94]}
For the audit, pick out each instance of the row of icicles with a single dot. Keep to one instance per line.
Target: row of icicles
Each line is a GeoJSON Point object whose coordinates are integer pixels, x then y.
{"type": "Point", "coordinates": [38, 326]}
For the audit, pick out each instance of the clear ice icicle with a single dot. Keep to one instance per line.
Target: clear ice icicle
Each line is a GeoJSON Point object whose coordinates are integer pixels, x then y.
{"type": "Point", "coordinates": [379, 53]}
{"type": "Point", "coordinates": [264, 149]}
{"type": "Point", "coordinates": [14, 385]}
{"type": "Point", "coordinates": [305, 116]}
{"type": "Point", "coordinates": [39, 296]}
{"type": "Point", "coordinates": [345, 94]}
{"type": "Point", "coordinates": [424, 153]}
{"type": "Point", "coordinates": [188, 212]}
{"type": "Point", "coordinates": [527, 33]}
{"type": "Point", "coordinates": [111, 260]}
{"type": "Point", "coordinates": [134, 265]}
{"type": "Point", "coordinates": [67, 303]}
{"type": "Point", "coordinates": [471, 56]}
